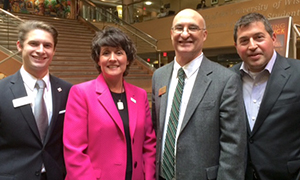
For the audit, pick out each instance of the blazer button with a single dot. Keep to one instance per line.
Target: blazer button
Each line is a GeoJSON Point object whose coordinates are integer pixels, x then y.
{"type": "Point", "coordinates": [251, 141]}
{"type": "Point", "coordinates": [135, 164]}
{"type": "Point", "coordinates": [37, 173]}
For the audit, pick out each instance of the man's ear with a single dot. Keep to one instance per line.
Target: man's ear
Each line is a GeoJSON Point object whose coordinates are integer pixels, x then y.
{"type": "Point", "coordinates": [19, 46]}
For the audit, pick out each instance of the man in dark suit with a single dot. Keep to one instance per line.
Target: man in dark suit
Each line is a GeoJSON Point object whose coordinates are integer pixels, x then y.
{"type": "Point", "coordinates": [24, 152]}
{"type": "Point", "coordinates": [271, 92]}
{"type": "Point", "coordinates": [210, 139]}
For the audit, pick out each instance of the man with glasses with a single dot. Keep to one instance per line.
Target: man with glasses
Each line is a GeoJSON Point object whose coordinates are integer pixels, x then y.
{"type": "Point", "coordinates": [201, 132]}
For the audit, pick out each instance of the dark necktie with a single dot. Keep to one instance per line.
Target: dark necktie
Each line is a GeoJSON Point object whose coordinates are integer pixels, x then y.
{"type": "Point", "coordinates": [40, 111]}
{"type": "Point", "coordinates": [168, 166]}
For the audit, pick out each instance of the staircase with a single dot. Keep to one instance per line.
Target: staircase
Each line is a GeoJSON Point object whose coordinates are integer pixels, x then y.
{"type": "Point", "coordinates": [72, 60]}
{"type": "Point", "coordinates": [142, 46]}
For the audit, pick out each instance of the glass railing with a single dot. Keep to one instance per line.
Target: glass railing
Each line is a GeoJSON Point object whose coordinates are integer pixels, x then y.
{"type": "Point", "coordinates": [100, 17]}
{"type": "Point", "coordinates": [9, 33]}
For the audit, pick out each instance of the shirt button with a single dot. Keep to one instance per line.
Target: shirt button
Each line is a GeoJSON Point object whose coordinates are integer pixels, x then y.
{"type": "Point", "coordinates": [254, 101]}
{"type": "Point", "coordinates": [253, 118]}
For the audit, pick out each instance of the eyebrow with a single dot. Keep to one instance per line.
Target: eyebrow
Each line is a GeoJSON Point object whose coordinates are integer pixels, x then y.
{"type": "Point", "coordinates": [189, 24]}
{"type": "Point", "coordinates": [256, 34]}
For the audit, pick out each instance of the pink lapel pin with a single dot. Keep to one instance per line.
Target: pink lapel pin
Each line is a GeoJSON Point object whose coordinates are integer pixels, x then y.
{"type": "Point", "coordinates": [59, 89]}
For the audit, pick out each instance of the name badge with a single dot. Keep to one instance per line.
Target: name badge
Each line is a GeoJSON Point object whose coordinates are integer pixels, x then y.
{"type": "Point", "coordinates": [162, 90]}
{"type": "Point", "coordinates": [22, 101]}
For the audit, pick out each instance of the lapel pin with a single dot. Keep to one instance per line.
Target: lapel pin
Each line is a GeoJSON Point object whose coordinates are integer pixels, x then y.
{"type": "Point", "coordinates": [59, 89]}
{"type": "Point", "coordinates": [162, 90]}
{"type": "Point", "coordinates": [133, 100]}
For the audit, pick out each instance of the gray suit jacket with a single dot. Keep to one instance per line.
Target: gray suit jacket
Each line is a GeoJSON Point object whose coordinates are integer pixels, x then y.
{"type": "Point", "coordinates": [212, 140]}
{"type": "Point", "coordinates": [21, 150]}
{"type": "Point", "coordinates": [274, 142]}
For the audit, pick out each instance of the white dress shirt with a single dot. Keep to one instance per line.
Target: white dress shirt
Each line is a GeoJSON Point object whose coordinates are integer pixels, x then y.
{"type": "Point", "coordinates": [29, 83]}
{"type": "Point", "coordinates": [191, 71]}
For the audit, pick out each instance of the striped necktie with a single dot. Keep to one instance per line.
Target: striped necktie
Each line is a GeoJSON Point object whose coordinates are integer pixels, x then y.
{"type": "Point", "coordinates": [168, 165]}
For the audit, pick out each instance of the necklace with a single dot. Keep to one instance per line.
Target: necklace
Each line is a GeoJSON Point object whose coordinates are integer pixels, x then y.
{"type": "Point", "coordinates": [120, 104]}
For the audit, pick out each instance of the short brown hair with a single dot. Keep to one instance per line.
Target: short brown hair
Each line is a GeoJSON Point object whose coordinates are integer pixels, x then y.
{"type": "Point", "coordinates": [247, 19]}
{"type": "Point", "coordinates": [27, 26]}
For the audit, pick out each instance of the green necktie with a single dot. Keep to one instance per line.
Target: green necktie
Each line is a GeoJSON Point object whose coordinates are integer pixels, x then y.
{"type": "Point", "coordinates": [168, 166]}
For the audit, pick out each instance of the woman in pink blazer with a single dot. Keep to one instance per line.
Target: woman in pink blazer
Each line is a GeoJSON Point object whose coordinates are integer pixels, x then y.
{"type": "Point", "coordinates": [108, 132]}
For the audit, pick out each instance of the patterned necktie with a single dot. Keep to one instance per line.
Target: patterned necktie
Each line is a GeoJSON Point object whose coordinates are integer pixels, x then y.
{"type": "Point", "coordinates": [168, 166]}
{"type": "Point", "coordinates": [40, 111]}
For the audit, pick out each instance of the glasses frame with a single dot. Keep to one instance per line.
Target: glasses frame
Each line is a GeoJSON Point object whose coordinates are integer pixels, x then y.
{"type": "Point", "coordinates": [187, 29]}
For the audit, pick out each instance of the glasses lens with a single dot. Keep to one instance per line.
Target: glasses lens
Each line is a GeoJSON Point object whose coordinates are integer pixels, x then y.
{"type": "Point", "coordinates": [190, 29]}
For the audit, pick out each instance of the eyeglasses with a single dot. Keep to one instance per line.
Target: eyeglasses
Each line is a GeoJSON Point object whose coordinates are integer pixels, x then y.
{"type": "Point", "coordinates": [190, 29]}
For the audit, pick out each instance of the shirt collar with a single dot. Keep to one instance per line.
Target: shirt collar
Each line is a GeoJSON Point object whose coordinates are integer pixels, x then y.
{"type": "Point", "coordinates": [191, 67]}
{"type": "Point", "coordinates": [30, 80]}
{"type": "Point", "coordinates": [268, 67]}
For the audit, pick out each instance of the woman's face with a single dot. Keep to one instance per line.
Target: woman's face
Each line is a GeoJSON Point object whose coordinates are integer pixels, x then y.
{"type": "Point", "coordinates": [112, 61]}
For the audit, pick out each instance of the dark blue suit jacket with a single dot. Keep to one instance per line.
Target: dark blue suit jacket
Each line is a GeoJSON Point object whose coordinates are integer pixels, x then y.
{"type": "Point", "coordinates": [274, 142]}
{"type": "Point", "coordinates": [21, 150]}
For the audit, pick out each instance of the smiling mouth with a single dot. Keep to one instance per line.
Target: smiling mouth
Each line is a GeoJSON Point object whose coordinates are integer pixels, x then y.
{"type": "Point", "coordinates": [39, 58]}
{"type": "Point", "coordinates": [185, 42]}
{"type": "Point", "coordinates": [254, 55]}
{"type": "Point", "coordinates": [112, 67]}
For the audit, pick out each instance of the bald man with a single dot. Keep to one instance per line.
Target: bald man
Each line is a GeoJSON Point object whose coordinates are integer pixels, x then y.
{"type": "Point", "coordinates": [210, 128]}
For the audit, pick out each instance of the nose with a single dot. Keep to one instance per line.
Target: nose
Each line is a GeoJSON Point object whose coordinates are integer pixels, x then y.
{"type": "Point", "coordinates": [252, 44]}
{"type": "Point", "coordinates": [41, 48]}
{"type": "Point", "coordinates": [112, 57]}
{"type": "Point", "coordinates": [185, 33]}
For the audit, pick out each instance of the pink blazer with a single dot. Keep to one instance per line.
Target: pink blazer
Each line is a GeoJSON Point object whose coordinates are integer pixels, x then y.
{"type": "Point", "coordinates": [94, 138]}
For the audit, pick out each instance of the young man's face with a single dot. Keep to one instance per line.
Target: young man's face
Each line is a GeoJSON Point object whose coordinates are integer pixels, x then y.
{"type": "Point", "coordinates": [255, 46]}
{"type": "Point", "coordinates": [37, 52]}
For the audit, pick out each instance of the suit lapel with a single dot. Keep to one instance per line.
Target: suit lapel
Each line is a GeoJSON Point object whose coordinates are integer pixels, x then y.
{"type": "Point", "coordinates": [132, 108]}
{"type": "Point", "coordinates": [18, 90]}
{"type": "Point", "coordinates": [236, 69]}
{"type": "Point", "coordinates": [56, 102]}
{"type": "Point", "coordinates": [276, 83]}
{"type": "Point", "coordinates": [165, 82]}
{"type": "Point", "coordinates": [106, 100]}
{"type": "Point", "coordinates": [200, 87]}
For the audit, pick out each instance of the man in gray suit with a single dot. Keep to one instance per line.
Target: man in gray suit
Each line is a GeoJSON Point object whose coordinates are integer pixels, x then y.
{"type": "Point", "coordinates": [210, 140]}
{"type": "Point", "coordinates": [272, 99]}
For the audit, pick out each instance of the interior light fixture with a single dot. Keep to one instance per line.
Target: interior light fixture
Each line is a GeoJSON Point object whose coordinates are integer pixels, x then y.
{"type": "Point", "coordinates": [148, 3]}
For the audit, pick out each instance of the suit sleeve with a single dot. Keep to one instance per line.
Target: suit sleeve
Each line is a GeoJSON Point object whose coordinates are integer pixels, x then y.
{"type": "Point", "coordinates": [149, 149]}
{"type": "Point", "coordinates": [233, 131]}
{"type": "Point", "coordinates": [78, 164]}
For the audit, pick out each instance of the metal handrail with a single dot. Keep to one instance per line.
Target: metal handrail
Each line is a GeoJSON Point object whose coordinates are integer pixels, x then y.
{"type": "Point", "coordinates": [125, 23]}
{"type": "Point", "coordinates": [10, 14]}
{"type": "Point", "coordinates": [10, 19]}
{"type": "Point", "coordinates": [140, 35]}
{"type": "Point", "coordinates": [7, 58]}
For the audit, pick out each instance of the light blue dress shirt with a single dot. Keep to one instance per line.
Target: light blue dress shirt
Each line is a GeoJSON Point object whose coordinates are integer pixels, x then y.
{"type": "Point", "coordinates": [254, 85]}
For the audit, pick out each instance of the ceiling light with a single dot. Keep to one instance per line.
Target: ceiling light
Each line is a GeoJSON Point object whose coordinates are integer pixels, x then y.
{"type": "Point", "coordinates": [148, 3]}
